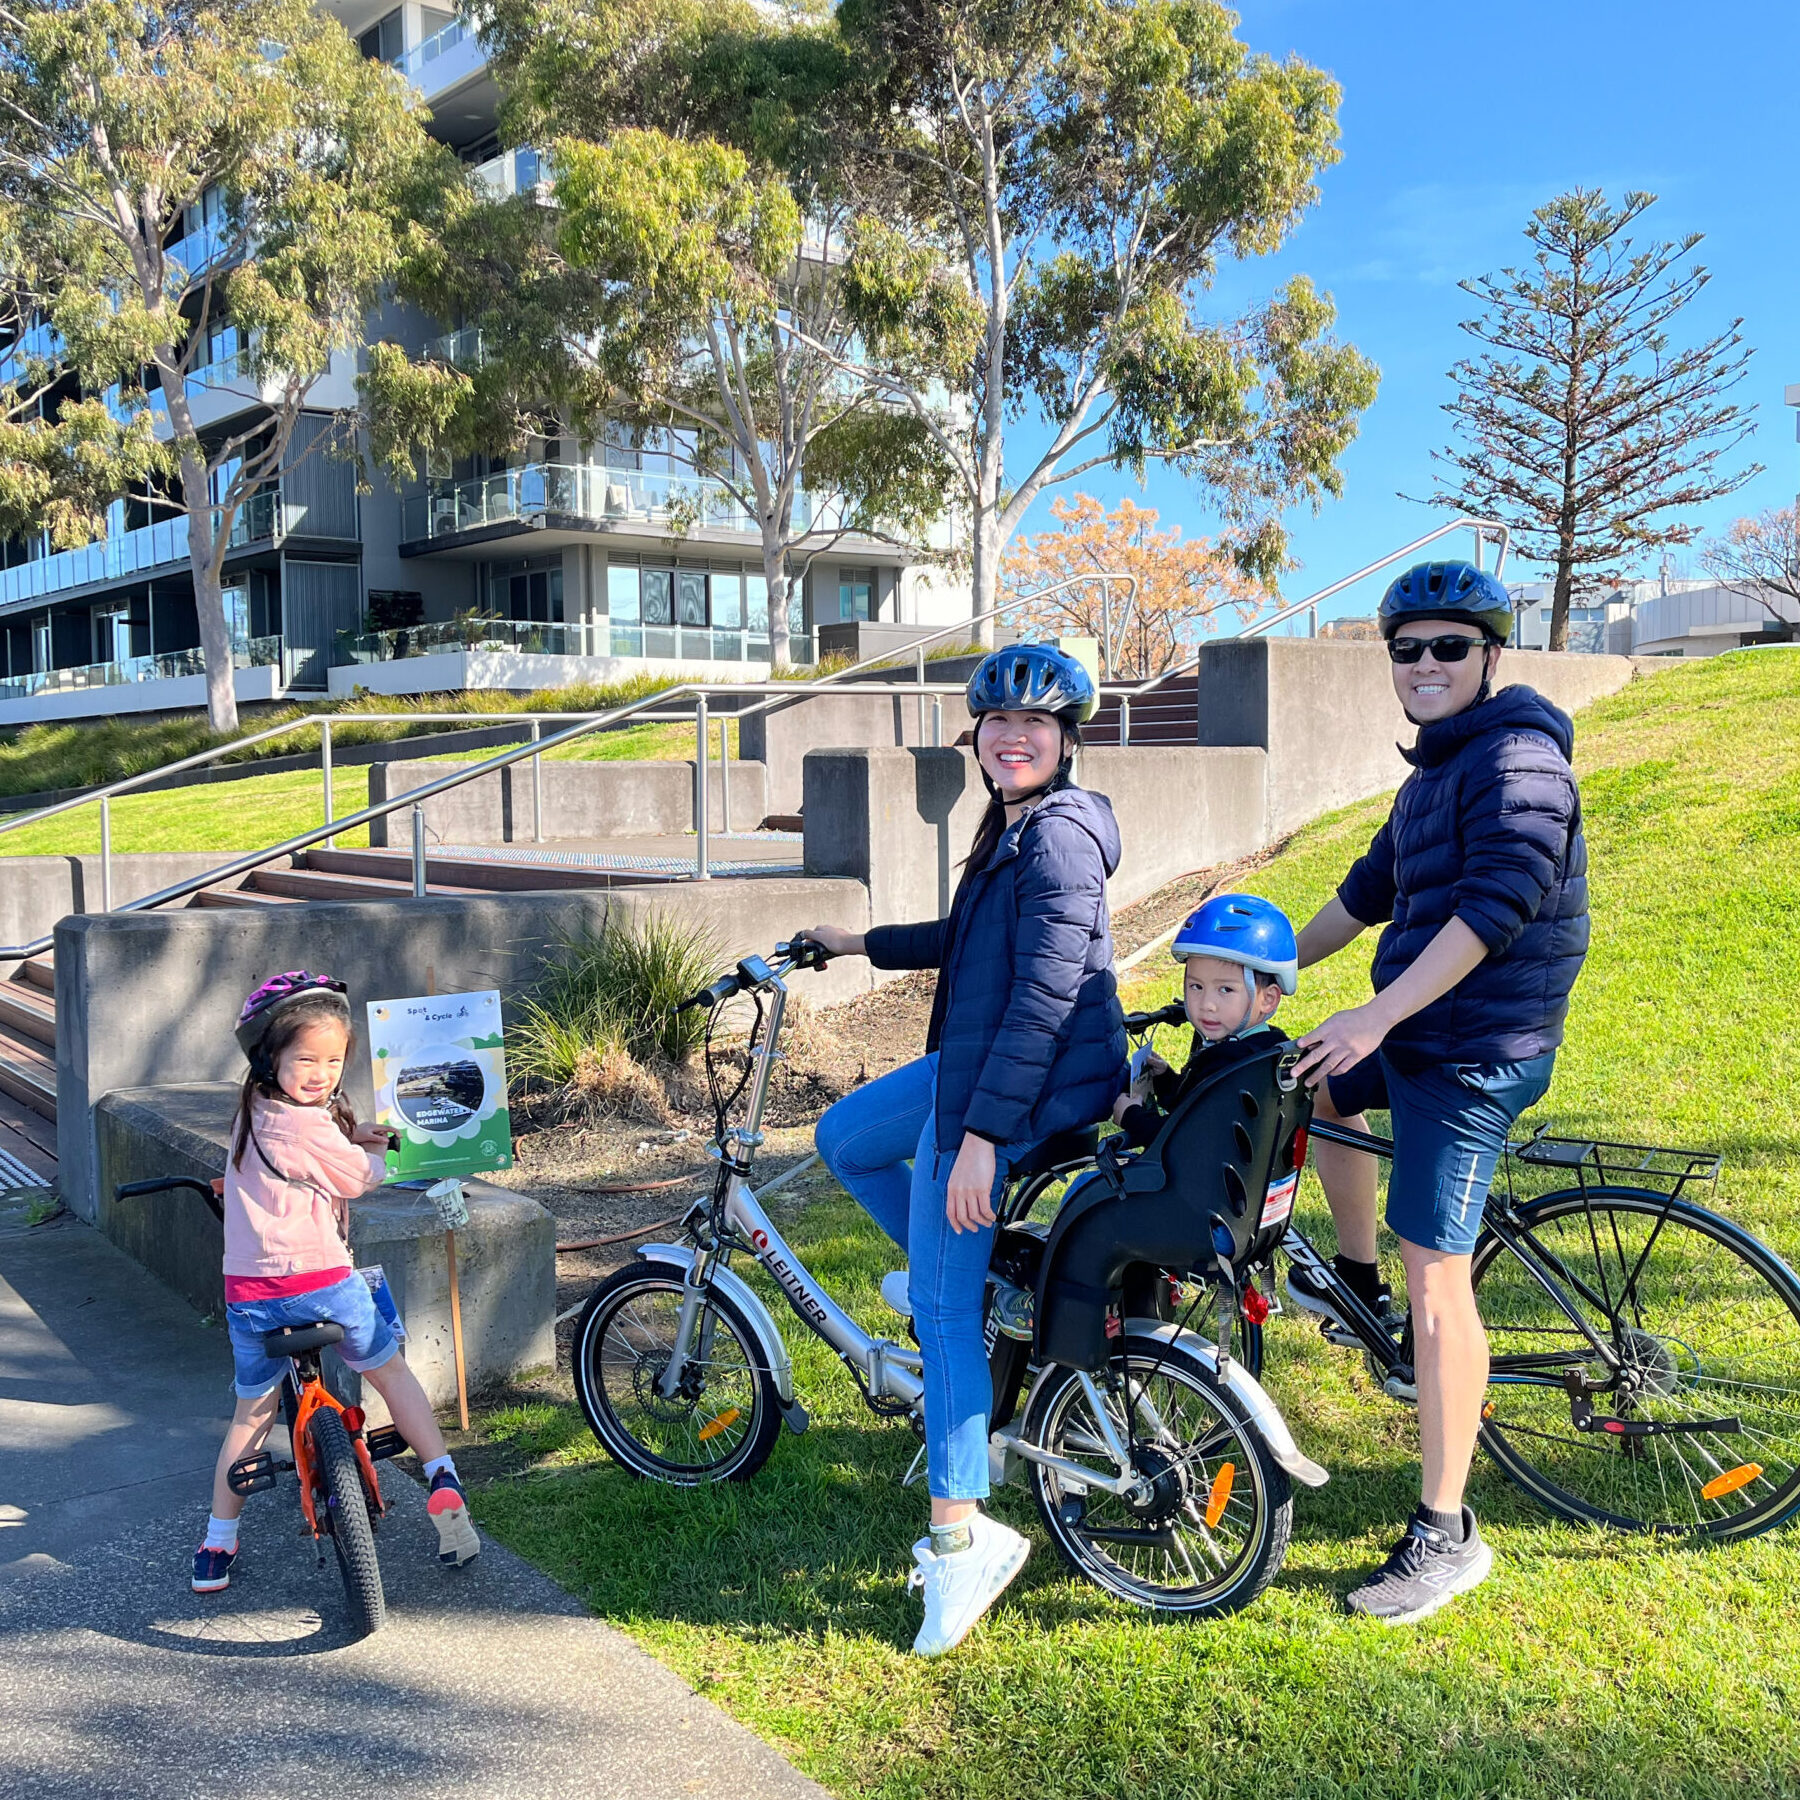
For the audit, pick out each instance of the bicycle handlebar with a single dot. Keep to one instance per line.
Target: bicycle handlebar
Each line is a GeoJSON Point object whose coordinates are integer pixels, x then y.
{"type": "Point", "coordinates": [132, 1190]}
{"type": "Point", "coordinates": [798, 952]}
{"type": "Point", "coordinates": [1175, 1013]}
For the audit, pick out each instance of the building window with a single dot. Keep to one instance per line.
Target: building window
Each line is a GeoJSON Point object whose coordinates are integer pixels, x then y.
{"type": "Point", "coordinates": [532, 592]}
{"type": "Point", "coordinates": [658, 596]}
{"type": "Point", "coordinates": [622, 595]}
{"type": "Point", "coordinates": [690, 594]}
{"type": "Point", "coordinates": [40, 646]}
{"type": "Point", "coordinates": [728, 600]}
{"type": "Point", "coordinates": [856, 593]}
{"type": "Point", "coordinates": [385, 40]}
{"type": "Point", "coordinates": [112, 635]}
{"type": "Point", "coordinates": [237, 616]}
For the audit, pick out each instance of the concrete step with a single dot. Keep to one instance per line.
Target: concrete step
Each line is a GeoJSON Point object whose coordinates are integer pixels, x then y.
{"type": "Point", "coordinates": [27, 1074]}
{"type": "Point", "coordinates": [473, 874]}
{"type": "Point", "coordinates": [241, 897]}
{"type": "Point", "coordinates": [27, 1012]}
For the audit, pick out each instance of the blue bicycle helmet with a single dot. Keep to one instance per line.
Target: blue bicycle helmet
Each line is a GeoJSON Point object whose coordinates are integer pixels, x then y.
{"type": "Point", "coordinates": [1448, 590]}
{"type": "Point", "coordinates": [1033, 678]}
{"type": "Point", "coordinates": [1246, 929]}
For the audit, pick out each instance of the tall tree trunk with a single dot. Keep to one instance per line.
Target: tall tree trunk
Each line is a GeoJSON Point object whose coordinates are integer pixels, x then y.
{"type": "Point", "coordinates": [775, 578]}
{"type": "Point", "coordinates": [988, 551]}
{"type": "Point", "coordinates": [209, 596]}
{"type": "Point", "coordinates": [1565, 587]}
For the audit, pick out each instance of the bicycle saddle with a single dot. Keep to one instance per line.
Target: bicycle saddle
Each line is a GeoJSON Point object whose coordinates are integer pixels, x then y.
{"type": "Point", "coordinates": [296, 1340]}
{"type": "Point", "coordinates": [1054, 1152]}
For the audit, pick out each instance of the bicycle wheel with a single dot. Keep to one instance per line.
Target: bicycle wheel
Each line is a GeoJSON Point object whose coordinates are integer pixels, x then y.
{"type": "Point", "coordinates": [1704, 1324]}
{"type": "Point", "coordinates": [1209, 1527]}
{"type": "Point", "coordinates": [722, 1420]}
{"type": "Point", "coordinates": [346, 1514]}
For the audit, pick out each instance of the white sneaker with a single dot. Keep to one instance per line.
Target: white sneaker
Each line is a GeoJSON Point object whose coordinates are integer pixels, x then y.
{"type": "Point", "coordinates": [960, 1587]}
{"type": "Point", "coordinates": [894, 1292]}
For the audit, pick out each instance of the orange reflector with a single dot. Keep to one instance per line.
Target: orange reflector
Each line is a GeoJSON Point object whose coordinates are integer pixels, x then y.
{"type": "Point", "coordinates": [724, 1422]}
{"type": "Point", "coordinates": [1731, 1480]}
{"type": "Point", "coordinates": [1219, 1493]}
{"type": "Point", "coordinates": [1487, 1412]}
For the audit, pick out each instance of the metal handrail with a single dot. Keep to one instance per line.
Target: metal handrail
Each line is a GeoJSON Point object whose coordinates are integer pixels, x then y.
{"type": "Point", "coordinates": [415, 797]}
{"type": "Point", "coordinates": [1483, 529]}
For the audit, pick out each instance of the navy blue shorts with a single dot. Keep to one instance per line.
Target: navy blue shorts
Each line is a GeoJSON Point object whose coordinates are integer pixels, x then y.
{"type": "Point", "coordinates": [1450, 1123]}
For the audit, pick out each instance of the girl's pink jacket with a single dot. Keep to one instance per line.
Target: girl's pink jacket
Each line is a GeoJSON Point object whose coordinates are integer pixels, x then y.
{"type": "Point", "coordinates": [287, 1224]}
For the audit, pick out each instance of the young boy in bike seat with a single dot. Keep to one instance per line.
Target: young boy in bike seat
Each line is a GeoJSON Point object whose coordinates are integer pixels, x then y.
{"type": "Point", "coordinates": [1240, 959]}
{"type": "Point", "coordinates": [1480, 879]}
{"type": "Point", "coordinates": [298, 1156]}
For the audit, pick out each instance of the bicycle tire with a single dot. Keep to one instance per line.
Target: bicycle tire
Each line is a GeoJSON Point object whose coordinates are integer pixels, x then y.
{"type": "Point", "coordinates": [650, 1434]}
{"type": "Point", "coordinates": [1261, 1510]}
{"type": "Point", "coordinates": [1655, 1484]}
{"type": "Point", "coordinates": [346, 1515]}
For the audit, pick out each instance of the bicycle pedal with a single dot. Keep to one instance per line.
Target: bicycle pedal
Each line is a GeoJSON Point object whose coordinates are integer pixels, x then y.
{"type": "Point", "coordinates": [1341, 1335]}
{"type": "Point", "coordinates": [253, 1474]}
{"type": "Point", "coordinates": [1402, 1386]}
{"type": "Point", "coordinates": [384, 1441]}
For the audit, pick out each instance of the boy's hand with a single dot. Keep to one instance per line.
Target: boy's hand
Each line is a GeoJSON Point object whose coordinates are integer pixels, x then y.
{"type": "Point", "coordinates": [1153, 1065]}
{"type": "Point", "coordinates": [1123, 1105]}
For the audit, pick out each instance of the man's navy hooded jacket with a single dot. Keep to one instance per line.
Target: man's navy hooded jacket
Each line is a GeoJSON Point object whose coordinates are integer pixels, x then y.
{"type": "Point", "coordinates": [1486, 829]}
{"type": "Point", "coordinates": [1026, 1019]}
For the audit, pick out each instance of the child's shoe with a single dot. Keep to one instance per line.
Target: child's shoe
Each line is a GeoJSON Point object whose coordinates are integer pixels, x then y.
{"type": "Point", "coordinates": [212, 1569]}
{"type": "Point", "coordinates": [449, 1509]}
{"type": "Point", "coordinates": [961, 1586]}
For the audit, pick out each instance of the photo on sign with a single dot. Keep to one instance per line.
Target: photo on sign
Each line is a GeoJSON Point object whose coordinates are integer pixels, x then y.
{"type": "Point", "coordinates": [439, 1068]}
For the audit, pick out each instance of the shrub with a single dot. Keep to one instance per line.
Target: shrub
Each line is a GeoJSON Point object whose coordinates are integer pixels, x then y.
{"type": "Point", "coordinates": [612, 990]}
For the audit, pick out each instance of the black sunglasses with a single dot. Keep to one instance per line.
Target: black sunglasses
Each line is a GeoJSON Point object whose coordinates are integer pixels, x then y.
{"type": "Point", "coordinates": [1443, 649]}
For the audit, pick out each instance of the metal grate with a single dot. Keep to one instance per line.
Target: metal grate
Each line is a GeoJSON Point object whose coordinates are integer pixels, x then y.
{"type": "Point", "coordinates": [15, 1174]}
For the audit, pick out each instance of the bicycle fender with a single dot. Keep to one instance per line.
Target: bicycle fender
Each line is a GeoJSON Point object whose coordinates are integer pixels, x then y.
{"type": "Point", "coordinates": [768, 1338]}
{"type": "Point", "coordinates": [1247, 1390]}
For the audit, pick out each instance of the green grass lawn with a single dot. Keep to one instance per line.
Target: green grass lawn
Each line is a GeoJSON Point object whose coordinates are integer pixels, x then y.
{"type": "Point", "coordinates": [258, 810]}
{"type": "Point", "coordinates": [1589, 1665]}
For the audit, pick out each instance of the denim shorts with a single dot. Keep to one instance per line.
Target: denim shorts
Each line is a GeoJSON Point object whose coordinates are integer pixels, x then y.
{"type": "Point", "coordinates": [1450, 1122]}
{"type": "Point", "coordinates": [368, 1338]}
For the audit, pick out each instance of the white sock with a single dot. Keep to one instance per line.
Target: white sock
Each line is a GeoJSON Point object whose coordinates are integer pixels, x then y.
{"type": "Point", "coordinates": [436, 1463]}
{"type": "Point", "coordinates": [221, 1534]}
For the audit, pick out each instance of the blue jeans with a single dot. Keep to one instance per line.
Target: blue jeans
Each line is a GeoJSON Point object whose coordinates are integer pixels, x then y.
{"type": "Point", "coordinates": [369, 1339]}
{"type": "Point", "coordinates": [866, 1140]}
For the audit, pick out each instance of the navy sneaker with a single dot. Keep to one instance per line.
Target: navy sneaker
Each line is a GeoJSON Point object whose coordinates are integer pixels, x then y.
{"type": "Point", "coordinates": [449, 1509]}
{"type": "Point", "coordinates": [212, 1569]}
{"type": "Point", "coordinates": [1424, 1571]}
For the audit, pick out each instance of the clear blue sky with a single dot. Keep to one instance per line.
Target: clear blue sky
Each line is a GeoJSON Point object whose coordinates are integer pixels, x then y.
{"type": "Point", "coordinates": [1457, 120]}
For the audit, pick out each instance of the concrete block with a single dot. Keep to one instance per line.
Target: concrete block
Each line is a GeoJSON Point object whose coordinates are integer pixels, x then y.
{"type": "Point", "coordinates": [580, 800]}
{"type": "Point", "coordinates": [901, 821]}
{"type": "Point", "coordinates": [1327, 715]}
{"type": "Point", "coordinates": [505, 1255]}
{"type": "Point", "coordinates": [782, 738]}
{"type": "Point", "coordinates": [150, 998]}
{"type": "Point", "coordinates": [36, 891]}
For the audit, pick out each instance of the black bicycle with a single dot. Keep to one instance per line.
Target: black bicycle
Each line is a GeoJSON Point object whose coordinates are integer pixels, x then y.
{"type": "Point", "coordinates": [1645, 1351]}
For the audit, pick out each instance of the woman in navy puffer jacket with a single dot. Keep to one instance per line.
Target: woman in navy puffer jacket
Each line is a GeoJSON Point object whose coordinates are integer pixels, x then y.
{"type": "Point", "coordinates": [1026, 1040]}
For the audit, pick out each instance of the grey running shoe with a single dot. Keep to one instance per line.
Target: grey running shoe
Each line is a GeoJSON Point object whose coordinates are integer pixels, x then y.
{"type": "Point", "coordinates": [1423, 1572]}
{"type": "Point", "coordinates": [1311, 1296]}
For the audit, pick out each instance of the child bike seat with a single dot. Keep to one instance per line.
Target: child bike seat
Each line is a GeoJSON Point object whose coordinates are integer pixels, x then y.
{"type": "Point", "coordinates": [296, 1340]}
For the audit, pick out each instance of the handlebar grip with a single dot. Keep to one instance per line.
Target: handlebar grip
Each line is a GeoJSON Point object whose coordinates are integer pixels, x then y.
{"type": "Point", "coordinates": [804, 952]}
{"type": "Point", "coordinates": [722, 989]}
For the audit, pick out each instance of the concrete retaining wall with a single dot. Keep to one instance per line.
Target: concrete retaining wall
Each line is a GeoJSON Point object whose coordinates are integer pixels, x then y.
{"type": "Point", "coordinates": [506, 1254]}
{"type": "Point", "coordinates": [901, 821]}
{"type": "Point", "coordinates": [782, 738]}
{"type": "Point", "coordinates": [581, 800]}
{"type": "Point", "coordinates": [149, 999]}
{"type": "Point", "coordinates": [36, 891]}
{"type": "Point", "coordinates": [1327, 715]}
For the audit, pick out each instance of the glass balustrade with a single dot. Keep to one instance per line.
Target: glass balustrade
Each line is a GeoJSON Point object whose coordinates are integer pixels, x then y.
{"type": "Point", "coordinates": [425, 64]}
{"type": "Point", "coordinates": [255, 653]}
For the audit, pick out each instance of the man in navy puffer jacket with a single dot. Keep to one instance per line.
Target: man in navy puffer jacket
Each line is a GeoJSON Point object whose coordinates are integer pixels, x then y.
{"type": "Point", "coordinates": [1480, 879]}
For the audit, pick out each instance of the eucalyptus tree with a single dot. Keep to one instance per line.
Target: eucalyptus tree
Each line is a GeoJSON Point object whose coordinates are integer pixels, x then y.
{"type": "Point", "coordinates": [187, 177]}
{"type": "Point", "coordinates": [1076, 171]}
{"type": "Point", "coordinates": [688, 277]}
{"type": "Point", "coordinates": [1583, 425]}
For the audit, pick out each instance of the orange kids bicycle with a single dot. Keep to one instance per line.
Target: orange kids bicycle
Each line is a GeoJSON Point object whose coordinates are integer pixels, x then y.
{"type": "Point", "coordinates": [332, 1451]}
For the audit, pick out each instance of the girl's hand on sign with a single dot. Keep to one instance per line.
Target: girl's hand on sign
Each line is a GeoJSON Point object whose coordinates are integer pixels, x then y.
{"type": "Point", "coordinates": [376, 1137]}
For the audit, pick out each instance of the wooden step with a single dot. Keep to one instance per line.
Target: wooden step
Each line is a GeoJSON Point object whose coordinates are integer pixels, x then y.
{"type": "Point", "coordinates": [315, 884]}
{"type": "Point", "coordinates": [40, 971]}
{"type": "Point", "coordinates": [470, 874]}
{"type": "Point", "coordinates": [28, 1075]}
{"type": "Point", "coordinates": [26, 1013]}
{"type": "Point", "coordinates": [240, 897]}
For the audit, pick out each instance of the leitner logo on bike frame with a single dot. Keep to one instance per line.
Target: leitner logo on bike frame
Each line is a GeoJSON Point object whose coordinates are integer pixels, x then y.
{"type": "Point", "coordinates": [789, 1277]}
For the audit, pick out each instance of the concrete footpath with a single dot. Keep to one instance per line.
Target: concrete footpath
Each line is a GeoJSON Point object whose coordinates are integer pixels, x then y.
{"type": "Point", "coordinates": [116, 1680]}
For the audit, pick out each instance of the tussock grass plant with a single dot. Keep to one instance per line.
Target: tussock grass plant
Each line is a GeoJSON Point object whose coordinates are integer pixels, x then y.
{"type": "Point", "coordinates": [609, 1000]}
{"type": "Point", "coordinates": [1591, 1665]}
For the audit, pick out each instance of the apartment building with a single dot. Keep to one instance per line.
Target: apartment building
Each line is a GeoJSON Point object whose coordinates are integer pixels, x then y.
{"type": "Point", "coordinates": [567, 563]}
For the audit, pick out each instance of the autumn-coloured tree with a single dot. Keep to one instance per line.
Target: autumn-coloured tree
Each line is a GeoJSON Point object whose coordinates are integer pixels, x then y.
{"type": "Point", "coordinates": [1182, 585]}
{"type": "Point", "coordinates": [1759, 557]}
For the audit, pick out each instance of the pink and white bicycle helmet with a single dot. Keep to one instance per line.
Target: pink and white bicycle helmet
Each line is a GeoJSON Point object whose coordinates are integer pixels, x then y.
{"type": "Point", "coordinates": [278, 993]}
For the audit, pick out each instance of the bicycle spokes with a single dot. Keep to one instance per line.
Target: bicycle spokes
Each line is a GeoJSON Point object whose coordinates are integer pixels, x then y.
{"type": "Point", "coordinates": [1662, 1390]}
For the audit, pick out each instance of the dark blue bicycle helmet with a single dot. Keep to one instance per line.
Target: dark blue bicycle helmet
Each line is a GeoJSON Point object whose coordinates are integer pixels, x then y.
{"type": "Point", "coordinates": [1033, 678]}
{"type": "Point", "coordinates": [1448, 590]}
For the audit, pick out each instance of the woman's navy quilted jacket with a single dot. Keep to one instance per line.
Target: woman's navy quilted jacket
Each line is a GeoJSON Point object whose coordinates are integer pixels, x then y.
{"type": "Point", "coordinates": [1486, 829]}
{"type": "Point", "coordinates": [1026, 1019]}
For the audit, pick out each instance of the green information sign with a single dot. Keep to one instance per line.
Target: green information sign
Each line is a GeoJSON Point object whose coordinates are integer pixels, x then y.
{"type": "Point", "coordinates": [440, 1082]}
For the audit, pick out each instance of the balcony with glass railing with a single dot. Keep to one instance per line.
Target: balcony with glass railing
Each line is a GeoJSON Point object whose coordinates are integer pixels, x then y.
{"type": "Point", "coordinates": [253, 653]}
{"type": "Point", "coordinates": [137, 552]}
{"type": "Point", "coordinates": [589, 492]}
{"type": "Point", "coordinates": [449, 56]}
{"type": "Point", "coordinates": [519, 171]}
{"type": "Point", "coordinates": [531, 637]}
